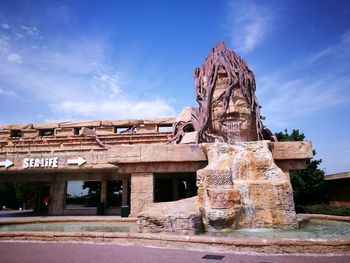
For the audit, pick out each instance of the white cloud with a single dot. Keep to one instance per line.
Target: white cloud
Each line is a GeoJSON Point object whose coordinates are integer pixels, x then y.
{"type": "Point", "coordinates": [112, 109]}
{"type": "Point", "coordinates": [341, 50]}
{"type": "Point", "coordinates": [304, 97]}
{"type": "Point", "coordinates": [106, 84]}
{"type": "Point", "coordinates": [6, 92]}
{"type": "Point", "coordinates": [30, 30]}
{"type": "Point", "coordinates": [72, 78]}
{"type": "Point", "coordinates": [248, 24]}
{"type": "Point", "coordinates": [5, 26]}
{"type": "Point", "coordinates": [297, 91]}
{"type": "Point", "coordinates": [13, 57]}
{"type": "Point", "coordinates": [4, 45]}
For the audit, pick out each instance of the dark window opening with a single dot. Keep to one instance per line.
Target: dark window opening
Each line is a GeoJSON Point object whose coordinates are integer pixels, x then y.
{"type": "Point", "coordinates": [121, 130]}
{"type": "Point", "coordinates": [49, 132]}
{"type": "Point", "coordinates": [174, 186]}
{"type": "Point", "coordinates": [163, 190]}
{"type": "Point", "coordinates": [77, 131]}
{"type": "Point", "coordinates": [114, 193]}
{"type": "Point", "coordinates": [16, 133]}
{"type": "Point", "coordinates": [80, 194]}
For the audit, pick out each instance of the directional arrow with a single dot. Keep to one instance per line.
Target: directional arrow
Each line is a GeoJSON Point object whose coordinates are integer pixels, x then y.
{"type": "Point", "coordinates": [79, 161]}
{"type": "Point", "coordinates": [6, 163]}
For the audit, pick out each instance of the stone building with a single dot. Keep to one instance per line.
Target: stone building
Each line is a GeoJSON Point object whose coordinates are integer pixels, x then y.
{"type": "Point", "coordinates": [338, 188]}
{"type": "Point", "coordinates": [123, 163]}
{"type": "Point", "coordinates": [89, 167]}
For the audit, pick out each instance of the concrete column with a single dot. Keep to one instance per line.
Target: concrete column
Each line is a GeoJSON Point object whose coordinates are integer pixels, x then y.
{"type": "Point", "coordinates": [125, 192]}
{"type": "Point", "coordinates": [104, 192]}
{"type": "Point", "coordinates": [175, 189]}
{"type": "Point", "coordinates": [142, 192]}
{"type": "Point", "coordinates": [58, 198]}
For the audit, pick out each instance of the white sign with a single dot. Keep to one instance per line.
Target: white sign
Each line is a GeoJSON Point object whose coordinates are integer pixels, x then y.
{"type": "Point", "coordinates": [6, 163]}
{"type": "Point", "coordinates": [40, 163]}
{"type": "Point", "coordinates": [79, 161]}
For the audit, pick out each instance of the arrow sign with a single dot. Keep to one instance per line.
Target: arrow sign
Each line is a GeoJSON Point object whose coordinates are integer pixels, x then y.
{"type": "Point", "coordinates": [79, 161]}
{"type": "Point", "coordinates": [6, 163]}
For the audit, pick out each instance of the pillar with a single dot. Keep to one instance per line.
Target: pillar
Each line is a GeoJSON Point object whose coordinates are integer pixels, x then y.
{"type": "Point", "coordinates": [104, 192]}
{"type": "Point", "coordinates": [142, 192]}
{"type": "Point", "coordinates": [57, 195]}
{"type": "Point", "coordinates": [125, 192]}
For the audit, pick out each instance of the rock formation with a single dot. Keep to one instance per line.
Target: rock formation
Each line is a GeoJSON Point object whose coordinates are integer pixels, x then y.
{"type": "Point", "coordinates": [241, 186]}
{"type": "Point", "coordinates": [181, 217]}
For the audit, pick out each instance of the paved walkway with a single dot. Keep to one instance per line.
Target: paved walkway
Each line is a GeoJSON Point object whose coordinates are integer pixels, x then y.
{"type": "Point", "coordinates": [26, 216]}
{"type": "Point", "coordinates": [11, 252]}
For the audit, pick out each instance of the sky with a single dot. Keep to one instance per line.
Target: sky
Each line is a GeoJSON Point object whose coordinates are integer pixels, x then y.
{"type": "Point", "coordinates": [92, 60]}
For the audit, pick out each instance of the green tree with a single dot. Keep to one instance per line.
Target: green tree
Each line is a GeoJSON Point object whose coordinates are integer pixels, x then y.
{"type": "Point", "coordinates": [308, 184]}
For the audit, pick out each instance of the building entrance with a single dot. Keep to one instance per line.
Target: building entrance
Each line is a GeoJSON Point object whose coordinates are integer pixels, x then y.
{"type": "Point", "coordinates": [42, 199]}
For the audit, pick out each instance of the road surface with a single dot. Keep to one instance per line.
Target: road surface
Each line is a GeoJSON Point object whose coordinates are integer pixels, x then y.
{"type": "Point", "coordinates": [38, 252]}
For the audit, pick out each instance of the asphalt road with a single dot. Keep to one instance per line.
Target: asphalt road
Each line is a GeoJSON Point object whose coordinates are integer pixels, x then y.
{"type": "Point", "coordinates": [31, 252]}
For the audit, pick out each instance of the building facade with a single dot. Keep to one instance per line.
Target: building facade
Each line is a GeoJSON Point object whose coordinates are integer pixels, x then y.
{"type": "Point", "coordinates": [338, 188]}
{"type": "Point", "coordinates": [78, 168]}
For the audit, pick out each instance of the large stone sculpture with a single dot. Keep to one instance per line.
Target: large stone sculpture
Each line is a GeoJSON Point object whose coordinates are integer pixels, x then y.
{"type": "Point", "coordinates": [241, 186]}
{"type": "Point", "coordinates": [225, 92]}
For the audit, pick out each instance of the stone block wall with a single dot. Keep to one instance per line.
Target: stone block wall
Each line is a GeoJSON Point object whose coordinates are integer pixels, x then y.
{"type": "Point", "coordinates": [243, 187]}
{"type": "Point", "coordinates": [142, 193]}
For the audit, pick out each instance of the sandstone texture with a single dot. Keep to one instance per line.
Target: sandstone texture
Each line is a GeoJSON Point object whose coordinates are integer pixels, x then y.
{"type": "Point", "coordinates": [182, 217]}
{"type": "Point", "coordinates": [242, 187]}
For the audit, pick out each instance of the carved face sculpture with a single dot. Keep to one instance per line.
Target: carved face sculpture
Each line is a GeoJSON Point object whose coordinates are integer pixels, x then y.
{"type": "Point", "coordinates": [228, 109]}
{"type": "Point", "coordinates": [236, 123]}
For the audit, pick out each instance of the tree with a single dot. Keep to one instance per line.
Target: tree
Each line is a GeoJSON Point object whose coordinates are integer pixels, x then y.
{"type": "Point", "coordinates": [308, 184]}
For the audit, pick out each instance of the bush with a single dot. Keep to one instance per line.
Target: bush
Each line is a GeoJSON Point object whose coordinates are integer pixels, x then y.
{"type": "Point", "coordinates": [324, 209]}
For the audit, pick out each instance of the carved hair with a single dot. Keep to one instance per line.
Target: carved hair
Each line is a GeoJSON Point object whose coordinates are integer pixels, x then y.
{"type": "Point", "coordinates": [239, 77]}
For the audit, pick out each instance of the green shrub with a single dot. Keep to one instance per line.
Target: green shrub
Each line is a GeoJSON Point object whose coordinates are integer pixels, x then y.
{"type": "Point", "coordinates": [324, 209]}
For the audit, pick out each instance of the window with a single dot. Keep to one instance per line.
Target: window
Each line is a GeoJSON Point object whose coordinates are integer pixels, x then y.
{"type": "Point", "coordinates": [120, 129]}
{"type": "Point", "coordinates": [114, 193]}
{"type": "Point", "coordinates": [174, 186]}
{"type": "Point", "coordinates": [80, 194]}
{"type": "Point", "coordinates": [16, 133]}
{"type": "Point", "coordinates": [49, 132]}
{"type": "Point", "coordinates": [165, 128]}
{"type": "Point", "coordinates": [77, 131]}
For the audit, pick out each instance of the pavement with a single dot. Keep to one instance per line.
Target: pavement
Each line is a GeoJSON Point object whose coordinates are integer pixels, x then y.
{"type": "Point", "coordinates": [37, 252]}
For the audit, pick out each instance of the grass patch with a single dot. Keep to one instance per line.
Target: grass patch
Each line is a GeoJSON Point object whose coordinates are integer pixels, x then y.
{"type": "Point", "coordinates": [324, 209]}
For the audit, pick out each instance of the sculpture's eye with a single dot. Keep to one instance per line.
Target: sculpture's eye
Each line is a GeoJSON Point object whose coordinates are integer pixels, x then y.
{"type": "Point", "coordinates": [188, 128]}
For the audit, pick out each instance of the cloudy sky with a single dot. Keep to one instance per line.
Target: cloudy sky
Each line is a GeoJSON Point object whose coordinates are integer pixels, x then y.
{"type": "Point", "coordinates": [85, 60]}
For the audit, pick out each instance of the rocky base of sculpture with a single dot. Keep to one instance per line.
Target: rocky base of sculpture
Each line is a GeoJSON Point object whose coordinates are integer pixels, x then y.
{"type": "Point", "coordinates": [242, 187]}
{"type": "Point", "coordinates": [181, 217]}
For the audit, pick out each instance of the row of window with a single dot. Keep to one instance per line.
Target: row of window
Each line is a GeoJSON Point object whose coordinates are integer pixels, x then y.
{"type": "Point", "coordinates": [87, 194]}
{"type": "Point", "coordinates": [117, 130]}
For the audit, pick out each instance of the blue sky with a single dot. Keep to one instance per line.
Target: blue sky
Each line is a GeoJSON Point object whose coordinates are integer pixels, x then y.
{"type": "Point", "coordinates": [85, 60]}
